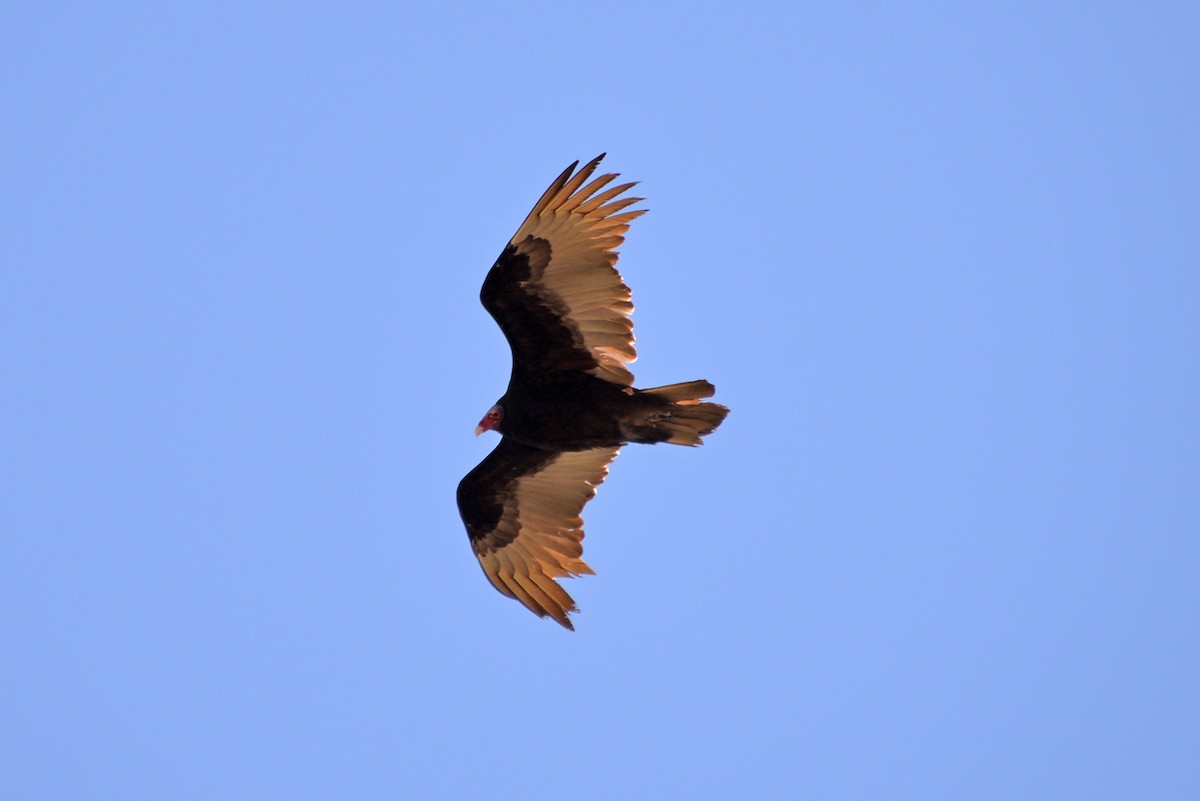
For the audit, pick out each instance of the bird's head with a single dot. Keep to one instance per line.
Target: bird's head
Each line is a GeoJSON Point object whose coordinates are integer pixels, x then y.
{"type": "Point", "coordinates": [491, 420]}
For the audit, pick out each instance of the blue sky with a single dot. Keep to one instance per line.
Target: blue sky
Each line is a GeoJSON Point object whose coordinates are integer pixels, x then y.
{"type": "Point", "coordinates": [941, 261]}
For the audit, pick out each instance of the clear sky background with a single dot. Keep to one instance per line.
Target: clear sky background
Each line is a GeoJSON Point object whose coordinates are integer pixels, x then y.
{"type": "Point", "coordinates": [943, 263]}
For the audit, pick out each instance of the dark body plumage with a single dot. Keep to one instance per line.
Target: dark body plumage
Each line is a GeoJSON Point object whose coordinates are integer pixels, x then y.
{"type": "Point", "coordinates": [574, 410]}
{"type": "Point", "coordinates": [570, 403]}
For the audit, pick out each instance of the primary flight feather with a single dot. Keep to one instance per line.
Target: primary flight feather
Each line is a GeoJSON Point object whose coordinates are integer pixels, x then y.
{"type": "Point", "coordinates": [570, 404]}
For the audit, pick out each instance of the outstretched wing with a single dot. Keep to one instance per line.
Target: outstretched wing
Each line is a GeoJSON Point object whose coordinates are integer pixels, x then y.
{"type": "Point", "coordinates": [521, 507]}
{"type": "Point", "coordinates": [555, 292]}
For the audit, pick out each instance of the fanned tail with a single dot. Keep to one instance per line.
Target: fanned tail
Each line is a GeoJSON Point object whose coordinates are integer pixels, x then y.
{"type": "Point", "coordinates": [680, 418]}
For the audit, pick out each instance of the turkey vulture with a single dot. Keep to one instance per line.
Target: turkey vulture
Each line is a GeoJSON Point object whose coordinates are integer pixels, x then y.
{"type": "Point", "coordinates": [570, 403]}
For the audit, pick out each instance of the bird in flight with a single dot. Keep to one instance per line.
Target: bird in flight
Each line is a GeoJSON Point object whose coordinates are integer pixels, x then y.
{"type": "Point", "coordinates": [570, 404]}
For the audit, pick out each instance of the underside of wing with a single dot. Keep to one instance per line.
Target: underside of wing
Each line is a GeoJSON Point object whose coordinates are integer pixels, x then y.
{"type": "Point", "coordinates": [555, 291]}
{"type": "Point", "coordinates": [522, 507]}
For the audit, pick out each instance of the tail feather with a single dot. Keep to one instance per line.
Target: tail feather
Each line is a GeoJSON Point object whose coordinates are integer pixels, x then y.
{"type": "Point", "coordinates": [684, 391]}
{"type": "Point", "coordinates": [685, 419]}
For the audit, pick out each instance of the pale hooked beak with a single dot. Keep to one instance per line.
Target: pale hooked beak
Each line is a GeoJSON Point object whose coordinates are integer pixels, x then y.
{"type": "Point", "coordinates": [490, 420]}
